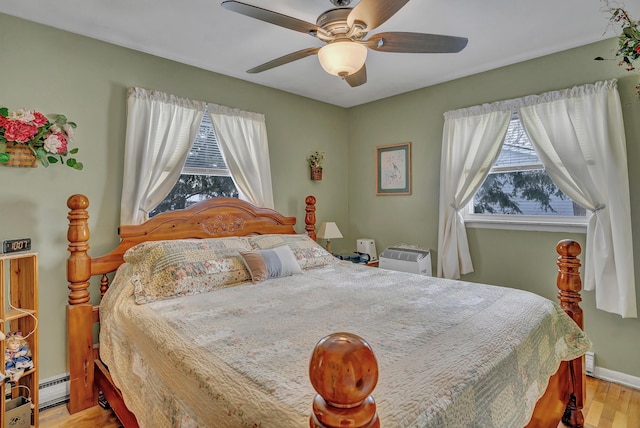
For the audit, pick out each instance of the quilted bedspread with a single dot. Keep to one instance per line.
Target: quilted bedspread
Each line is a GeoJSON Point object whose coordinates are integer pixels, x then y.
{"type": "Point", "coordinates": [450, 353]}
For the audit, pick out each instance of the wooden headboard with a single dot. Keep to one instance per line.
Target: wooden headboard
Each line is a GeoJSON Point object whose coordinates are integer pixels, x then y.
{"type": "Point", "coordinates": [214, 218]}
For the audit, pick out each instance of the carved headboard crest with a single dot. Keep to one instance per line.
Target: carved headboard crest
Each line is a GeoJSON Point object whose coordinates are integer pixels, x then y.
{"type": "Point", "coordinates": [223, 224]}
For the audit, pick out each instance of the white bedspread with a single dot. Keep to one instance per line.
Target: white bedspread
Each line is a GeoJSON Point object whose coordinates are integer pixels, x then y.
{"type": "Point", "coordinates": [450, 353]}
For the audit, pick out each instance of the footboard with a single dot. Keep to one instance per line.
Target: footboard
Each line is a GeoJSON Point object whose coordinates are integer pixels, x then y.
{"type": "Point", "coordinates": [344, 372]}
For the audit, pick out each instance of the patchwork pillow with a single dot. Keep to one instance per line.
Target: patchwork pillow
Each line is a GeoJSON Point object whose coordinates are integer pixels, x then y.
{"type": "Point", "coordinates": [275, 263]}
{"type": "Point", "coordinates": [307, 252]}
{"type": "Point", "coordinates": [166, 269]}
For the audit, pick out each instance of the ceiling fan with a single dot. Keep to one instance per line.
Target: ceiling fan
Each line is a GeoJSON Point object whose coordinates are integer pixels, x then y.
{"type": "Point", "coordinates": [344, 30]}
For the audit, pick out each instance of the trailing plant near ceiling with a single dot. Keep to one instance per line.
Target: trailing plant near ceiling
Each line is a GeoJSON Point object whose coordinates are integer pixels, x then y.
{"type": "Point", "coordinates": [629, 39]}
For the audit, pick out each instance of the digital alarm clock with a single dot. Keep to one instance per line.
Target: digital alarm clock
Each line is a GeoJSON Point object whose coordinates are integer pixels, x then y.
{"type": "Point", "coordinates": [16, 245]}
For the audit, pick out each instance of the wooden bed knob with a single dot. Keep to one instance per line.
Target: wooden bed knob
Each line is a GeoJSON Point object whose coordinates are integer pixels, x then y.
{"type": "Point", "coordinates": [344, 372]}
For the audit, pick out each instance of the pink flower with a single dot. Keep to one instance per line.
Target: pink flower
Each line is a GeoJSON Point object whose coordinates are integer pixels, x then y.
{"type": "Point", "coordinates": [56, 143]}
{"type": "Point", "coordinates": [18, 131]}
{"type": "Point", "coordinates": [39, 119]}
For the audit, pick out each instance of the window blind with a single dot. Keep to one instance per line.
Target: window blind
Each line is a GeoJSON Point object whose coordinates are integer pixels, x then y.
{"type": "Point", "coordinates": [517, 150]}
{"type": "Point", "coordinates": [205, 157]}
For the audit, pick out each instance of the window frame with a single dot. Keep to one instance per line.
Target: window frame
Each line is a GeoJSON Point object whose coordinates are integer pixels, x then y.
{"type": "Point", "coordinates": [543, 223]}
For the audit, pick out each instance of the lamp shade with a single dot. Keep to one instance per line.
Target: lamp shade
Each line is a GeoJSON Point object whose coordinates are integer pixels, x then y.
{"type": "Point", "coordinates": [342, 58]}
{"type": "Point", "coordinates": [329, 230]}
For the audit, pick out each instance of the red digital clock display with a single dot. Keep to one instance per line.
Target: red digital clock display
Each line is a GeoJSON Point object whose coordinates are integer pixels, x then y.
{"type": "Point", "coordinates": [15, 245]}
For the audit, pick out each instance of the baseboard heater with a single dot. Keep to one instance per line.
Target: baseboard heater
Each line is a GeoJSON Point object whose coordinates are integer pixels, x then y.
{"type": "Point", "coordinates": [53, 391]}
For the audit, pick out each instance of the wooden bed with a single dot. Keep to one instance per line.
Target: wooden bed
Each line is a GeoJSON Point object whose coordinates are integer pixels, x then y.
{"type": "Point", "coordinates": [225, 217]}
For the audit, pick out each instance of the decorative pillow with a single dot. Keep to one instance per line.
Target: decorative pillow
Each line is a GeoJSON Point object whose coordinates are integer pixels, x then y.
{"type": "Point", "coordinates": [264, 264]}
{"type": "Point", "coordinates": [166, 269]}
{"type": "Point", "coordinates": [307, 252]}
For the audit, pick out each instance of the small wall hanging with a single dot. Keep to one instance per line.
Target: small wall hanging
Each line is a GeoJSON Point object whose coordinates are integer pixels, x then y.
{"type": "Point", "coordinates": [315, 161]}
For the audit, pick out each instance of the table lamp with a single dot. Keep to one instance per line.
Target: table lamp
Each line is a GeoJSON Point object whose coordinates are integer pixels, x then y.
{"type": "Point", "coordinates": [329, 230]}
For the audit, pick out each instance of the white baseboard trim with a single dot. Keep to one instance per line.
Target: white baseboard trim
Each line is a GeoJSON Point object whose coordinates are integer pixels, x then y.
{"type": "Point", "coordinates": [617, 377]}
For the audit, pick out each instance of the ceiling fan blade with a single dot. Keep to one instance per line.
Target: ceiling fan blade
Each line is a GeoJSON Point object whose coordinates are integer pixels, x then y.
{"type": "Point", "coordinates": [284, 60]}
{"type": "Point", "coordinates": [374, 12]}
{"type": "Point", "coordinates": [415, 43]}
{"type": "Point", "coordinates": [272, 17]}
{"type": "Point", "coordinates": [358, 78]}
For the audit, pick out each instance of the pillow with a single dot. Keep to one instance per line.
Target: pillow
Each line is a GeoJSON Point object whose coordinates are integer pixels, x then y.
{"type": "Point", "coordinates": [307, 252]}
{"type": "Point", "coordinates": [275, 263]}
{"type": "Point", "coordinates": [166, 269]}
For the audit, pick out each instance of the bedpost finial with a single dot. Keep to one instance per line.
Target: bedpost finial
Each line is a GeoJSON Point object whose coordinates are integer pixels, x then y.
{"type": "Point", "coordinates": [78, 202]}
{"type": "Point", "coordinates": [568, 248]}
{"type": "Point", "coordinates": [344, 372]}
{"type": "Point", "coordinates": [310, 200]}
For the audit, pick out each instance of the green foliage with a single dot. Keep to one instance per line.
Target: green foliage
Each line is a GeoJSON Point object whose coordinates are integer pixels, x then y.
{"type": "Point", "coordinates": [491, 194]}
{"type": "Point", "coordinates": [536, 186]}
{"type": "Point", "coordinates": [533, 185]}
{"type": "Point", "coordinates": [188, 186]}
{"type": "Point", "coordinates": [316, 159]}
{"type": "Point", "coordinates": [71, 162]}
{"type": "Point", "coordinates": [629, 38]}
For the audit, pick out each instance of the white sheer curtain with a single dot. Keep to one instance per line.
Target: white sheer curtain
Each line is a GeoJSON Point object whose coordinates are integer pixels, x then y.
{"type": "Point", "coordinates": [242, 137]}
{"type": "Point", "coordinates": [160, 131]}
{"type": "Point", "coordinates": [579, 136]}
{"type": "Point", "coordinates": [471, 142]}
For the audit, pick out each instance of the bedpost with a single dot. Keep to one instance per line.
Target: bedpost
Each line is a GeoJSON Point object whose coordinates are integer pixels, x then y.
{"type": "Point", "coordinates": [569, 285]}
{"type": "Point", "coordinates": [79, 262]}
{"type": "Point", "coordinates": [79, 309]}
{"type": "Point", "coordinates": [344, 372]}
{"type": "Point", "coordinates": [310, 217]}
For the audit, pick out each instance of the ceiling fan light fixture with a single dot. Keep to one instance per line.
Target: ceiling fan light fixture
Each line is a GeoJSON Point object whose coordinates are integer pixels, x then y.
{"type": "Point", "coordinates": [342, 58]}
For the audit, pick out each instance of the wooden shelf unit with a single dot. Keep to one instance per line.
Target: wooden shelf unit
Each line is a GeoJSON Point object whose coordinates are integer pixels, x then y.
{"type": "Point", "coordinates": [19, 288]}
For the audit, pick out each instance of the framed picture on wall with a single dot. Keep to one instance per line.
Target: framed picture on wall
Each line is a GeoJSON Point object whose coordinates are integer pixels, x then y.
{"type": "Point", "coordinates": [393, 169]}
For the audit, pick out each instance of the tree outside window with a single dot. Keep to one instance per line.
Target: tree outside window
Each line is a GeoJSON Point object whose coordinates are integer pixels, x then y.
{"type": "Point", "coordinates": [518, 184]}
{"type": "Point", "coordinates": [204, 176]}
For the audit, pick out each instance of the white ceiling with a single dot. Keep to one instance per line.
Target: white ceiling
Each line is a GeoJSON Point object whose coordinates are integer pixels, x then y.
{"type": "Point", "coordinates": [203, 34]}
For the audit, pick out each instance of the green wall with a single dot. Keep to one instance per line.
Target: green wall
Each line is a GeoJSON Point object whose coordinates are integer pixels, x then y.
{"type": "Point", "coordinates": [58, 72]}
{"type": "Point", "coordinates": [519, 259]}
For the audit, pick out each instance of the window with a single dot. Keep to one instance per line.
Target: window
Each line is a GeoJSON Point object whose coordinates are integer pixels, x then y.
{"type": "Point", "coordinates": [518, 190]}
{"type": "Point", "coordinates": [205, 174]}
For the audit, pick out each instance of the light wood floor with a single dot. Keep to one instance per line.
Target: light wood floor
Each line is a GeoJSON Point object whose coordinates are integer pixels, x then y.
{"type": "Point", "coordinates": [608, 405]}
